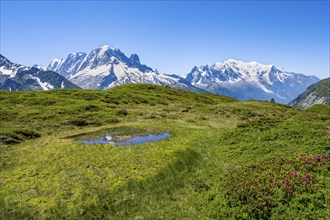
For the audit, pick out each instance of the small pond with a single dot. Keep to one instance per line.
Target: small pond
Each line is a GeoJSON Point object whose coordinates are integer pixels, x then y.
{"type": "Point", "coordinates": [128, 140]}
{"type": "Point", "coordinates": [119, 136]}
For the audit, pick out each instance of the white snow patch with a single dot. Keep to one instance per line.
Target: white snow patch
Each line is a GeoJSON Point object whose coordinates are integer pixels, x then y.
{"type": "Point", "coordinates": [12, 71]}
{"type": "Point", "coordinates": [102, 51]}
{"type": "Point", "coordinates": [4, 71]}
{"type": "Point", "coordinates": [44, 86]}
{"type": "Point", "coordinates": [100, 70]}
{"type": "Point", "coordinates": [56, 64]}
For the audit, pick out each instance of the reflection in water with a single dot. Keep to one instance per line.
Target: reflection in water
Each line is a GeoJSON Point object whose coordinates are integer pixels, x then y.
{"type": "Point", "coordinates": [131, 141]}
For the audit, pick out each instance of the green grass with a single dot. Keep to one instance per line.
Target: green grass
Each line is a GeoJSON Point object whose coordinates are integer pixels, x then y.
{"type": "Point", "coordinates": [215, 165]}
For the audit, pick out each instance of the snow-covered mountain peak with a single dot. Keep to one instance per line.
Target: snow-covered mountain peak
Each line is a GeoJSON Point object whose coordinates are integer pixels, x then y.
{"type": "Point", "coordinates": [16, 77]}
{"type": "Point", "coordinates": [9, 69]}
{"type": "Point", "coordinates": [69, 65]}
{"type": "Point", "coordinates": [76, 54]}
{"type": "Point", "coordinates": [4, 61]}
{"type": "Point", "coordinates": [106, 50]}
{"type": "Point", "coordinates": [254, 65]}
{"type": "Point", "coordinates": [39, 67]}
{"type": "Point", "coordinates": [233, 61]}
{"type": "Point", "coordinates": [102, 50]}
{"type": "Point", "coordinates": [106, 47]}
{"type": "Point", "coordinates": [2, 58]}
{"type": "Point", "coordinates": [56, 61]}
{"type": "Point", "coordinates": [245, 80]}
{"type": "Point", "coordinates": [106, 67]}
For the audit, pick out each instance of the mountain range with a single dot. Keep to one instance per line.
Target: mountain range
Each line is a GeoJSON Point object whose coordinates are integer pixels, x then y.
{"type": "Point", "coordinates": [252, 80]}
{"type": "Point", "coordinates": [16, 77]}
{"type": "Point", "coordinates": [106, 67]}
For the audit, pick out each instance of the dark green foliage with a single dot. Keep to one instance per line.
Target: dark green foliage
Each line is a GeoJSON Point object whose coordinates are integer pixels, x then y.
{"type": "Point", "coordinates": [27, 134]}
{"type": "Point", "coordinates": [79, 122]}
{"type": "Point", "coordinates": [10, 136]}
{"type": "Point", "coordinates": [92, 108]}
{"type": "Point", "coordinates": [112, 120]}
{"type": "Point", "coordinates": [110, 100]}
{"type": "Point", "coordinates": [122, 112]}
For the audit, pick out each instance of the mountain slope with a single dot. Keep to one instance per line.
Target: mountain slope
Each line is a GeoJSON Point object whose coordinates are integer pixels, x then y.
{"type": "Point", "coordinates": [318, 93]}
{"type": "Point", "coordinates": [249, 80]}
{"type": "Point", "coordinates": [16, 77]}
{"type": "Point", "coordinates": [106, 67]}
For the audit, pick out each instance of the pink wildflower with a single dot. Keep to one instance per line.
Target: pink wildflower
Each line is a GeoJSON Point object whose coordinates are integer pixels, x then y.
{"type": "Point", "coordinates": [293, 174]}
{"type": "Point", "coordinates": [305, 183]}
{"type": "Point", "coordinates": [286, 181]}
{"type": "Point", "coordinates": [305, 176]}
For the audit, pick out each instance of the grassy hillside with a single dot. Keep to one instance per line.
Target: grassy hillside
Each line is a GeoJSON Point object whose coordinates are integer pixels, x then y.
{"type": "Point", "coordinates": [224, 158]}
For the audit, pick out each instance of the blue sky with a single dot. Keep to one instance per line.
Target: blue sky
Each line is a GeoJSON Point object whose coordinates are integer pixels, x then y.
{"type": "Point", "coordinates": [171, 36]}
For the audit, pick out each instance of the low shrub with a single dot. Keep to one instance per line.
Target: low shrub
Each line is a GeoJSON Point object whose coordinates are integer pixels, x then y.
{"type": "Point", "coordinates": [8, 140]}
{"type": "Point", "coordinates": [27, 134]}
{"type": "Point", "coordinates": [112, 120]}
{"type": "Point", "coordinates": [110, 101]}
{"type": "Point", "coordinates": [17, 136]}
{"type": "Point", "coordinates": [79, 122]}
{"type": "Point", "coordinates": [122, 112]}
{"type": "Point", "coordinates": [259, 190]}
{"type": "Point", "coordinates": [92, 108]}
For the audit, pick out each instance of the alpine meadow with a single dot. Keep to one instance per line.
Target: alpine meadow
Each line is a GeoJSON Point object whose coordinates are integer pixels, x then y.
{"type": "Point", "coordinates": [169, 110]}
{"type": "Point", "coordinates": [223, 159]}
